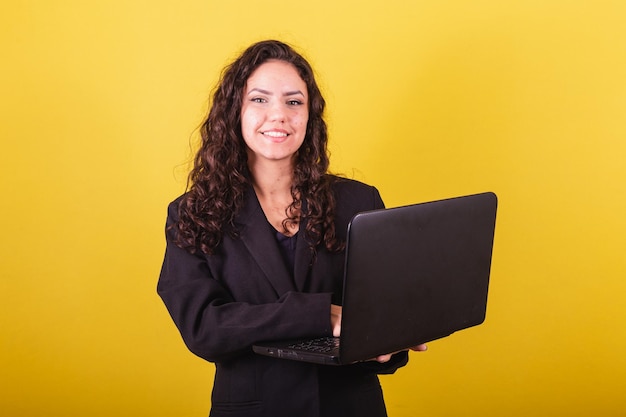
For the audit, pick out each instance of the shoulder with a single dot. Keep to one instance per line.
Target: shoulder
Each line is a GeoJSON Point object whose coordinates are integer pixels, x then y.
{"type": "Point", "coordinates": [347, 184]}
{"type": "Point", "coordinates": [345, 188]}
{"type": "Point", "coordinates": [173, 207]}
{"type": "Point", "coordinates": [354, 196]}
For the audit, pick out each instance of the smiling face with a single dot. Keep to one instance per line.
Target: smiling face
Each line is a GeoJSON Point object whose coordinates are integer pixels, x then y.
{"type": "Point", "coordinates": [274, 112]}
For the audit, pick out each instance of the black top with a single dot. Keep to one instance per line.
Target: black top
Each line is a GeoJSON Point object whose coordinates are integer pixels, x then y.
{"type": "Point", "coordinates": [287, 246]}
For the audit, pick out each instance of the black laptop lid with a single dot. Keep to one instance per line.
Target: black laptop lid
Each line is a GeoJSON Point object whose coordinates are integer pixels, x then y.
{"type": "Point", "coordinates": [415, 274]}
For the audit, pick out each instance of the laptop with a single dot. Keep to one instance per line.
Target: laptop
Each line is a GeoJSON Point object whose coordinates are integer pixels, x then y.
{"type": "Point", "coordinates": [413, 274]}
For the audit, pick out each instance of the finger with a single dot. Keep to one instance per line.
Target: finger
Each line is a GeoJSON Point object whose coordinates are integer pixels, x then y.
{"type": "Point", "coordinates": [383, 358]}
{"type": "Point", "coordinates": [420, 348]}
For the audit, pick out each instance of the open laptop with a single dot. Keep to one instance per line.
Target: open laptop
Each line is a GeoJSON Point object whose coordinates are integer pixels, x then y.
{"type": "Point", "coordinates": [413, 274]}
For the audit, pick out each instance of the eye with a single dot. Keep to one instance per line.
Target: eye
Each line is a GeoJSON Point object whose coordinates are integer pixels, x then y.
{"type": "Point", "coordinates": [295, 102]}
{"type": "Point", "coordinates": [258, 100]}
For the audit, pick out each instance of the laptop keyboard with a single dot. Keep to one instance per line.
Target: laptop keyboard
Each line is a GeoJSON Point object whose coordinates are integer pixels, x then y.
{"type": "Point", "coordinates": [321, 345]}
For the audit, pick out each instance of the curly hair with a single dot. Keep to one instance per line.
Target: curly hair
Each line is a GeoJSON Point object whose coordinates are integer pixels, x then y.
{"type": "Point", "coordinates": [220, 176]}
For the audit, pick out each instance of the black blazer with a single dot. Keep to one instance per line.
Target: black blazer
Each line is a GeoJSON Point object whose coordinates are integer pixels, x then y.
{"type": "Point", "coordinates": [244, 293]}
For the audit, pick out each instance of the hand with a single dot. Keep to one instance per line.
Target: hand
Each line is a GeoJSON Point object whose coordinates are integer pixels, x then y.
{"type": "Point", "coordinates": [420, 348]}
{"type": "Point", "coordinates": [335, 319]}
{"type": "Point", "coordinates": [387, 357]}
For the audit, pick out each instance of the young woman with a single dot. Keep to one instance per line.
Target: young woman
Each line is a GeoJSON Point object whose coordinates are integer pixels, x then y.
{"type": "Point", "coordinates": [255, 247]}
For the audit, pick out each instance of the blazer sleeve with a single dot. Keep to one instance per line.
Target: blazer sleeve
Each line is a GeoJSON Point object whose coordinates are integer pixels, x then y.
{"type": "Point", "coordinates": [217, 327]}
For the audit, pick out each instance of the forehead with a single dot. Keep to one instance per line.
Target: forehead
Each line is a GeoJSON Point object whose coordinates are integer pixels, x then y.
{"type": "Point", "coordinates": [275, 73]}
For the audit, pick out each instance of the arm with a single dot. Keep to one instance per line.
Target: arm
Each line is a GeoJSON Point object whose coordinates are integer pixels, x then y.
{"type": "Point", "coordinates": [214, 325]}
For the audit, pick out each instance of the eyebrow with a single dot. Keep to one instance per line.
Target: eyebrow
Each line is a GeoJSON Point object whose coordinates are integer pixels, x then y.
{"type": "Point", "coordinates": [288, 93]}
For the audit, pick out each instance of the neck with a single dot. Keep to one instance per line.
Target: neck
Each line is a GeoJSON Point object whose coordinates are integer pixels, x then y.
{"type": "Point", "coordinates": [272, 177]}
{"type": "Point", "coordinates": [272, 181]}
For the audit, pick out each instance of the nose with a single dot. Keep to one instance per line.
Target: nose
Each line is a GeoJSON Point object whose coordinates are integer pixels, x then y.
{"type": "Point", "coordinates": [277, 112]}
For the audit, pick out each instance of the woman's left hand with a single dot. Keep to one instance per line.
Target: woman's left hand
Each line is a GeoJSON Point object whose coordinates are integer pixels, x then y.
{"type": "Point", "coordinates": [387, 357]}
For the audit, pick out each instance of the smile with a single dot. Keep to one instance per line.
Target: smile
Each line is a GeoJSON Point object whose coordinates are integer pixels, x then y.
{"type": "Point", "coordinates": [275, 134]}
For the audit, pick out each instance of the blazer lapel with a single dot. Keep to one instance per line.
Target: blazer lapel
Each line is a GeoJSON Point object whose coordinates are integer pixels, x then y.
{"type": "Point", "coordinates": [304, 254]}
{"type": "Point", "coordinates": [256, 235]}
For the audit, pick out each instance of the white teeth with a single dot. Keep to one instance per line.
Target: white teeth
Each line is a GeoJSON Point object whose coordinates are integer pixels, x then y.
{"type": "Point", "coordinates": [275, 134]}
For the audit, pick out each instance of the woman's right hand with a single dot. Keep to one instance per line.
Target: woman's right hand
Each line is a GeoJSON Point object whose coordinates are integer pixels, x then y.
{"type": "Point", "coordinates": [335, 319]}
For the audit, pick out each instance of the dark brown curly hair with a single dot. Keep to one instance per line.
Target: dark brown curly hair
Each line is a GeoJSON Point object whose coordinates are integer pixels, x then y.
{"type": "Point", "coordinates": [220, 176]}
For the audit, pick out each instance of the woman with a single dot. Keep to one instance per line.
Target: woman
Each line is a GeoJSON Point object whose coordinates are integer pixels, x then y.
{"type": "Point", "coordinates": [255, 247]}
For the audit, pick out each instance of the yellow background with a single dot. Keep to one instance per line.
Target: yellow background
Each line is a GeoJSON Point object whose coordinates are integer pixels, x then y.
{"type": "Point", "coordinates": [100, 101]}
